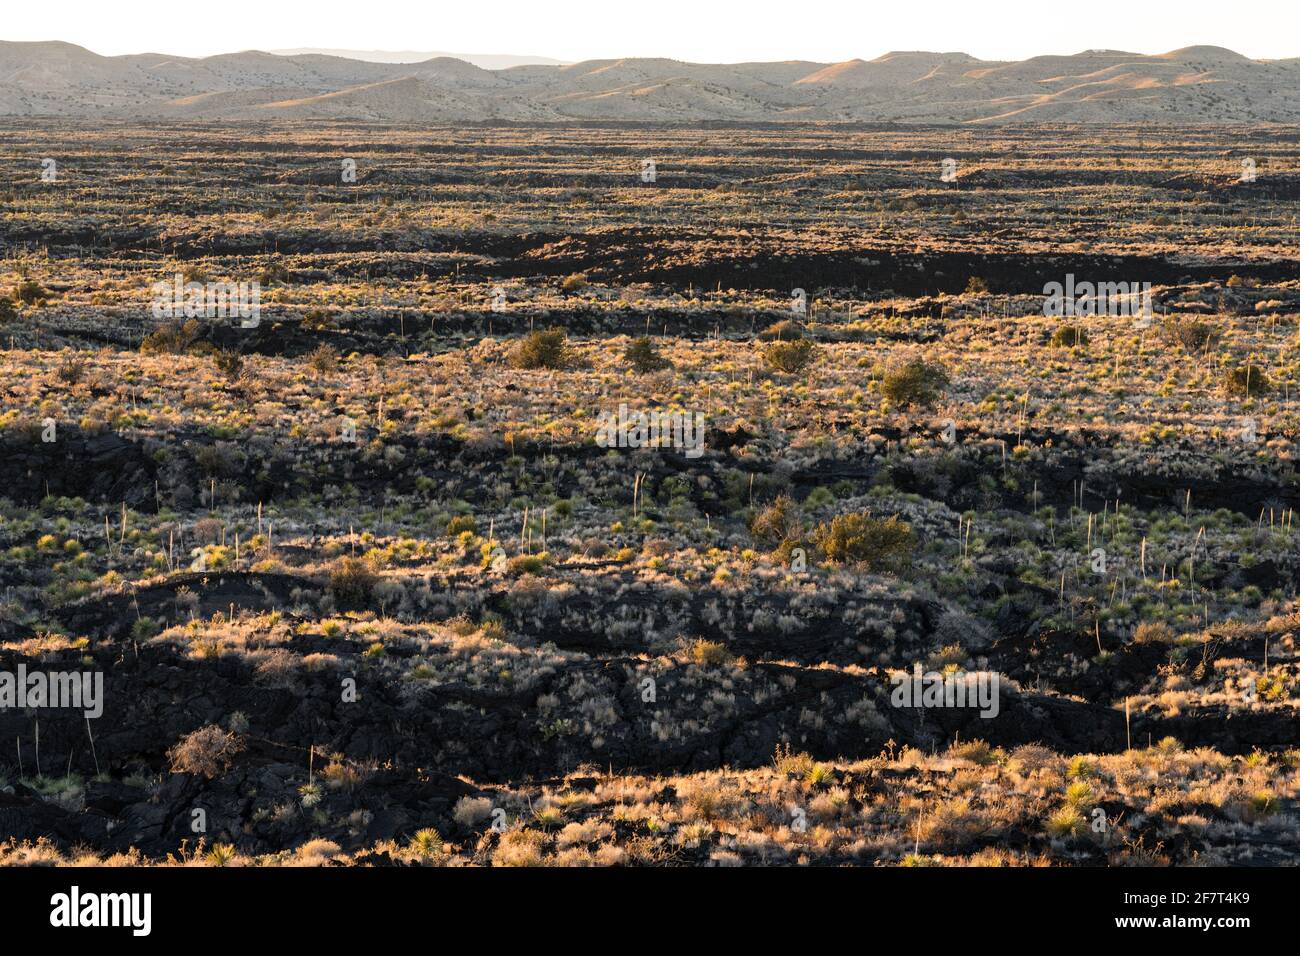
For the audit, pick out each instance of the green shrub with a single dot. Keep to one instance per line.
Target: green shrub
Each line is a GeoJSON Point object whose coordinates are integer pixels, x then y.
{"type": "Point", "coordinates": [1247, 380]}
{"type": "Point", "coordinates": [352, 580]}
{"type": "Point", "coordinates": [461, 523]}
{"type": "Point", "coordinates": [171, 339]}
{"type": "Point", "coordinates": [1191, 334]}
{"type": "Point", "coordinates": [30, 292]}
{"type": "Point", "coordinates": [778, 523]}
{"type": "Point", "coordinates": [574, 283]}
{"type": "Point", "coordinates": [787, 330]}
{"type": "Point", "coordinates": [644, 358]}
{"type": "Point", "coordinates": [914, 382]}
{"type": "Point", "coordinates": [548, 349]}
{"type": "Point", "coordinates": [877, 544]}
{"type": "Point", "coordinates": [710, 653]}
{"type": "Point", "coordinates": [7, 310]}
{"type": "Point", "coordinates": [789, 357]}
{"type": "Point", "coordinates": [1068, 337]}
{"type": "Point", "coordinates": [522, 564]}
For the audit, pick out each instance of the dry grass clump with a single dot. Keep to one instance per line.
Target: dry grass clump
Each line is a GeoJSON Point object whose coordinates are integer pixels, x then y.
{"type": "Point", "coordinates": [1153, 632]}
{"type": "Point", "coordinates": [519, 847]}
{"type": "Point", "coordinates": [206, 752]}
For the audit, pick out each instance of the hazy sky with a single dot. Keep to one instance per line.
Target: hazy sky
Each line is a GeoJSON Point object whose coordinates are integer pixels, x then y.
{"type": "Point", "coordinates": [698, 30]}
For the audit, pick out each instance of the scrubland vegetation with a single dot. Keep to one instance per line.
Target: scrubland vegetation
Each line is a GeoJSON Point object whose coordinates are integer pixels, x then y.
{"type": "Point", "coordinates": [366, 590]}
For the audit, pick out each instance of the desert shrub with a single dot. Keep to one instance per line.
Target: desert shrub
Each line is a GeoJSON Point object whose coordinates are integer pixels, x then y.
{"type": "Point", "coordinates": [352, 580]}
{"type": "Point", "coordinates": [207, 752]}
{"type": "Point", "coordinates": [1191, 334]}
{"type": "Point", "coordinates": [1153, 632]}
{"type": "Point", "coordinates": [323, 359]}
{"type": "Point", "coordinates": [976, 751]}
{"type": "Point", "coordinates": [787, 761]}
{"type": "Point", "coordinates": [522, 564]}
{"type": "Point", "coordinates": [317, 320]}
{"type": "Point", "coordinates": [469, 811]}
{"type": "Point", "coordinates": [914, 382]}
{"type": "Point", "coordinates": [709, 653]}
{"type": "Point", "coordinates": [1031, 757]}
{"type": "Point", "coordinates": [30, 292]}
{"type": "Point", "coordinates": [7, 311]}
{"type": "Point", "coordinates": [643, 357]}
{"type": "Point", "coordinates": [230, 364]}
{"type": "Point", "coordinates": [976, 286]}
{"type": "Point", "coordinates": [875, 543]}
{"type": "Point", "coordinates": [208, 530]}
{"type": "Point", "coordinates": [521, 847]}
{"type": "Point", "coordinates": [787, 330]}
{"type": "Point", "coordinates": [574, 283]}
{"type": "Point", "coordinates": [1262, 803]}
{"type": "Point", "coordinates": [778, 523]}
{"type": "Point", "coordinates": [1068, 337]}
{"type": "Point", "coordinates": [272, 274]}
{"type": "Point", "coordinates": [218, 459]}
{"type": "Point", "coordinates": [171, 339]}
{"type": "Point", "coordinates": [548, 349]}
{"type": "Point", "coordinates": [72, 369]}
{"type": "Point", "coordinates": [789, 357]}
{"type": "Point", "coordinates": [1247, 380]}
{"type": "Point", "coordinates": [461, 523]}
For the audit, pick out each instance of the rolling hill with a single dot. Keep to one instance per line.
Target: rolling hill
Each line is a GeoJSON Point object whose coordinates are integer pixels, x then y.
{"type": "Point", "coordinates": [1202, 84]}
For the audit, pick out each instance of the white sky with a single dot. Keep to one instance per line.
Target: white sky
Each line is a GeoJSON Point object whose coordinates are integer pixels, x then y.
{"type": "Point", "coordinates": [716, 31]}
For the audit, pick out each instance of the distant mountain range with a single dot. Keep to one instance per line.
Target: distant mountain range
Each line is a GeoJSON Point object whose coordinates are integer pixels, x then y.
{"type": "Point", "coordinates": [488, 61]}
{"type": "Point", "coordinates": [1201, 84]}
